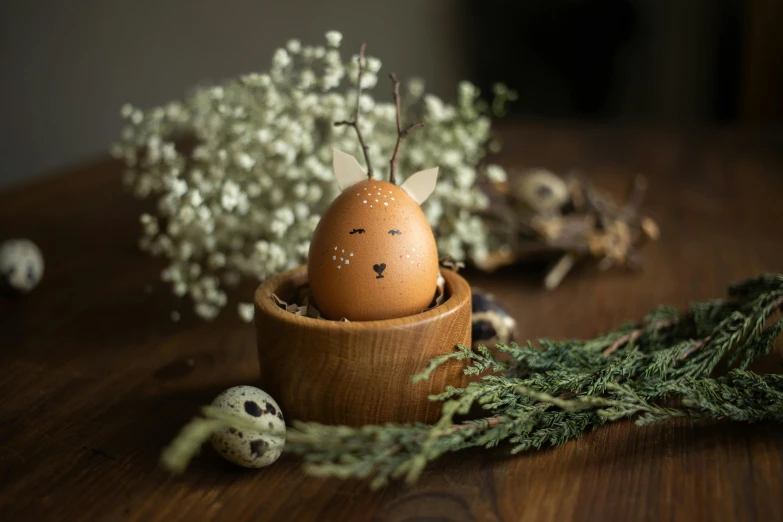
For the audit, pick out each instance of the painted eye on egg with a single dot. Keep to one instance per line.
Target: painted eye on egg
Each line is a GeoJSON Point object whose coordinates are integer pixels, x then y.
{"type": "Point", "coordinates": [357, 231]}
{"type": "Point", "coordinates": [395, 232]}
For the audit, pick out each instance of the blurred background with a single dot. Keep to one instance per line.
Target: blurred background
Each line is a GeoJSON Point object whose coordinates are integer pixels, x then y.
{"type": "Point", "coordinates": [67, 67]}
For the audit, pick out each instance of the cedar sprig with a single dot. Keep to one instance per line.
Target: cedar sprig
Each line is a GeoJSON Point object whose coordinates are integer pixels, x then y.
{"type": "Point", "coordinates": [545, 395]}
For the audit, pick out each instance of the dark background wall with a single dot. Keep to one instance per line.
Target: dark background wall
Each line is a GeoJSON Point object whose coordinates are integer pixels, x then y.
{"type": "Point", "coordinates": [648, 60]}
{"type": "Point", "coordinates": [69, 66]}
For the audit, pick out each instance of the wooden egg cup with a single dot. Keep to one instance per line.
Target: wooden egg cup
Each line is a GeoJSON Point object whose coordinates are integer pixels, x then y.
{"type": "Point", "coordinates": [356, 373]}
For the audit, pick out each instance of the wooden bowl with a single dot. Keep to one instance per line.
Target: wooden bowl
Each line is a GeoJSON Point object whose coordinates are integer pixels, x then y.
{"type": "Point", "coordinates": [355, 373]}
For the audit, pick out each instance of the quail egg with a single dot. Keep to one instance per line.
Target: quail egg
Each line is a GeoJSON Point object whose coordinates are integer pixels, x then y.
{"type": "Point", "coordinates": [542, 191]}
{"type": "Point", "coordinates": [21, 266]}
{"type": "Point", "coordinates": [250, 449]}
{"type": "Point", "coordinates": [491, 323]}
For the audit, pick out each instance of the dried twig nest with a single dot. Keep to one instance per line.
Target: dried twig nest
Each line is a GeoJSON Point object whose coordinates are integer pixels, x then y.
{"type": "Point", "coordinates": [542, 213]}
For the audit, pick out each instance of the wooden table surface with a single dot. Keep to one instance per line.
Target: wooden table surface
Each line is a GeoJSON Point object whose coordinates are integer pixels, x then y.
{"type": "Point", "coordinates": [95, 378]}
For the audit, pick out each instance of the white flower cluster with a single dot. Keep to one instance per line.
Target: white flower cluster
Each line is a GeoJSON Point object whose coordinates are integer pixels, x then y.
{"type": "Point", "coordinates": [241, 172]}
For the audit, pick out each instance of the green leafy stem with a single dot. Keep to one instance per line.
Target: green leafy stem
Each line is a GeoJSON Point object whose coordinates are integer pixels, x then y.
{"type": "Point", "coordinates": [534, 396]}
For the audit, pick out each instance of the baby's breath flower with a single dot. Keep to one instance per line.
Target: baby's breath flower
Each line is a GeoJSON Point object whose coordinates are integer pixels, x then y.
{"type": "Point", "coordinates": [369, 80]}
{"type": "Point", "coordinates": [246, 311]}
{"type": "Point", "coordinates": [306, 79]}
{"type": "Point", "coordinates": [245, 200]}
{"type": "Point", "coordinates": [416, 87]}
{"type": "Point", "coordinates": [434, 107]}
{"type": "Point", "coordinates": [244, 160]}
{"type": "Point", "coordinates": [281, 58]}
{"type": "Point", "coordinates": [333, 38]}
{"type": "Point", "coordinates": [496, 174]}
{"type": "Point", "coordinates": [373, 65]}
{"type": "Point", "coordinates": [293, 46]}
{"type": "Point", "coordinates": [467, 91]}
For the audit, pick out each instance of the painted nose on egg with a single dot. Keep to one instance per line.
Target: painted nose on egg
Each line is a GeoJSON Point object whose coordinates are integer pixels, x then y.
{"type": "Point", "coordinates": [379, 270]}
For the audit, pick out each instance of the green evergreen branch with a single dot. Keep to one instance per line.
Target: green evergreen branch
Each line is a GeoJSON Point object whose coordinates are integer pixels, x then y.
{"type": "Point", "coordinates": [545, 395]}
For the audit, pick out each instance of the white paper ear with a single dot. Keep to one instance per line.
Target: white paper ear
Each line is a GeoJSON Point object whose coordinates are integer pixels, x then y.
{"type": "Point", "coordinates": [347, 170]}
{"type": "Point", "coordinates": [420, 185]}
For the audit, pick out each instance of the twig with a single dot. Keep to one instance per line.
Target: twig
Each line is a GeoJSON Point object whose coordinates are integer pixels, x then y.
{"type": "Point", "coordinates": [635, 196]}
{"type": "Point", "coordinates": [629, 338]}
{"type": "Point", "coordinates": [401, 133]}
{"type": "Point", "coordinates": [491, 421]}
{"type": "Point", "coordinates": [559, 271]}
{"type": "Point", "coordinates": [695, 346]}
{"type": "Point", "coordinates": [632, 336]}
{"type": "Point", "coordinates": [355, 122]}
{"type": "Point", "coordinates": [699, 344]}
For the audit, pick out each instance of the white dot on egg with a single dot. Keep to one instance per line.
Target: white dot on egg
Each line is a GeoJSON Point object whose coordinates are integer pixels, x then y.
{"type": "Point", "coordinates": [341, 259]}
{"type": "Point", "coordinates": [338, 267]}
{"type": "Point", "coordinates": [335, 248]}
{"type": "Point", "coordinates": [334, 257]}
{"type": "Point", "coordinates": [376, 201]}
{"type": "Point", "coordinates": [406, 255]}
{"type": "Point", "coordinates": [386, 204]}
{"type": "Point", "coordinates": [348, 262]}
{"type": "Point", "coordinates": [392, 199]}
{"type": "Point", "coordinates": [365, 201]}
{"type": "Point", "coordinates": [352, 254]}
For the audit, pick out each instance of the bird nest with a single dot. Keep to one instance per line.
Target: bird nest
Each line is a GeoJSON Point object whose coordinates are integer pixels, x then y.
{"type": "Point", "coordinates": [541, 213]}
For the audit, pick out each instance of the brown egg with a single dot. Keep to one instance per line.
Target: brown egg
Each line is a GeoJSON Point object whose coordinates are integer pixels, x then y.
{"type": "Point", "coordinates": [373, 255]}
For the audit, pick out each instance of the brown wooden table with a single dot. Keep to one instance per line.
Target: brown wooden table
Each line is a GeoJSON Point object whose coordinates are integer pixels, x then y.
{"type": "Point", "coordinates": [95, 379]}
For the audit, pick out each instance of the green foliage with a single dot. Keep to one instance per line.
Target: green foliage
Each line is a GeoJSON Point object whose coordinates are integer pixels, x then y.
{"type": "Point", "coordinates": [532, 397]}
{"type": "Point", "coordinates": [177, 455]}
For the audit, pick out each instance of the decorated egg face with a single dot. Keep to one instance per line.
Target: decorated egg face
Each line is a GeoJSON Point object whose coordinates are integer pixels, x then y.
{"type": "Point", "coordinates": [373, 255]}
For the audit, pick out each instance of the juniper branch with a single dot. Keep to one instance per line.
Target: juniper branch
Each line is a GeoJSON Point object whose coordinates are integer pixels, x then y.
{"type": "Point", "coordinates": [545, 395]}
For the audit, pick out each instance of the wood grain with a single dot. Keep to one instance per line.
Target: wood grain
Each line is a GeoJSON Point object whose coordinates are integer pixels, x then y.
{"type": "Point", "coordinates": [354, 373]}
{"type": "Point", "coordinates": [95, 379]}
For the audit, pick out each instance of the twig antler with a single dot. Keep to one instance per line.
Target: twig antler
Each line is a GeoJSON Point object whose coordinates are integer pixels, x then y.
{"type": "Point", "coordinates": [355, 122]}
{"type": "Point", "coordinates": [401, 133]}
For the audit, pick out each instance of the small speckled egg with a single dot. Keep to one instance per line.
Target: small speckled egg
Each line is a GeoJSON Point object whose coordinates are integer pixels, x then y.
{"type": "Point", "coordinates": [491, 323]}
{"type": "Point", "coordinates": [250, 449]}
{"type": "Point", "coordinates": [542, 191]}
{"type": "Point", "coordinates": [21, 266]}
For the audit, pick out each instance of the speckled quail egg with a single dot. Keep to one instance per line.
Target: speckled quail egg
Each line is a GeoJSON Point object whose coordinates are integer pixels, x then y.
{"type": "Point", "coordinates": [491, 324]}
{"type": "Point", "coordinates": [21, 266]}
{"type": "Point", "coordinates": [541, 190]}
{"type": "Point", "coordinates": [250, 449]}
